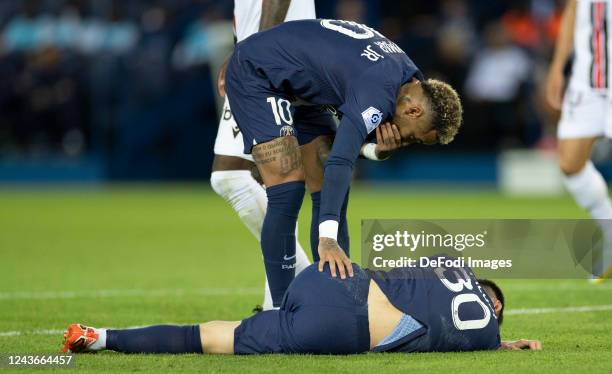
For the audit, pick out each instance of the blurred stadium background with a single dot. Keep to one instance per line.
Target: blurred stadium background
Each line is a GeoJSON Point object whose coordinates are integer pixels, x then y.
{"type": "Point", "coordinates": [109, 90]}
{"type": "Point", "coordinates": [103, 92]}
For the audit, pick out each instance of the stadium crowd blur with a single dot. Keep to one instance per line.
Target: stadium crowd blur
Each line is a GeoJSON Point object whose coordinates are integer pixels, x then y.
{"type": "Point", "coordinates": [132, 82]}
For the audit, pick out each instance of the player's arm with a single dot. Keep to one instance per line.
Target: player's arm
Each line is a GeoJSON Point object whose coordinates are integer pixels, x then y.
{"type": "Point", "coordinates": [522, 344]}
{"type": "Point", "coordinates": [336, 181]}
{"type": "Point", "coordinates": [555, 82]}
{"type": "Point", "coordinates": [273, 12]}
{"type": "Point", "coordinates": [366, 106]}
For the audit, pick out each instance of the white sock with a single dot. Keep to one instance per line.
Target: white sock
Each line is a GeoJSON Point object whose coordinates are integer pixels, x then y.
{"type": "Point", "coordinates": [245, 195]}
{"type": "Point", "coordinates": [248, 198]}
{"type": "Point", "coordinates": [268, 304]}
{"type": "Point", "coordinates": [99, 344]}
{"type": "Point", "coordinates": [591, 192]}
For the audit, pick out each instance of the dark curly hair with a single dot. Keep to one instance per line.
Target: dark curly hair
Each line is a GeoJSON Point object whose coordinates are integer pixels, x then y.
{"type": "Point", "coordinates": [447, 111]}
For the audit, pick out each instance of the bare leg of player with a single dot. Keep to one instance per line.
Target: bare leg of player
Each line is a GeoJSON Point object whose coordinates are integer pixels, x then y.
{"type": "Point", "coordinates": [314, 156]}
{"type": "Point", "coordinates": [589, 189]}
{"type": "Point", "coordinates": [218, 336]}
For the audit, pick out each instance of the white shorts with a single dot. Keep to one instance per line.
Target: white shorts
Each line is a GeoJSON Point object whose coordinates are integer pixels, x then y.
{"type": "Point", "coordinates": [229, 138]}
{"type": "Point", "coordinates": [586, 113]}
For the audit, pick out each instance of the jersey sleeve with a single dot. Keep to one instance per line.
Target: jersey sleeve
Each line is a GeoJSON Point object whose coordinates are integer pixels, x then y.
{"type": "Point", "coordinates": [368, 103]}
{"type": "Point", "coordinates": [371, 99]}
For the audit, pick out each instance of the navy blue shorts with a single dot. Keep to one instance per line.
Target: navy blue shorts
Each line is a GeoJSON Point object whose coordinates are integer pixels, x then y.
{"type": "Point", "coordinates": [319, 315]}
{"type": "Point", "coordinates": [264, 113]}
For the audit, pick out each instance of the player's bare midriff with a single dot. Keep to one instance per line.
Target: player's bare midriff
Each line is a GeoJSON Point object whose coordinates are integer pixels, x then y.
{"type": "Point", "coordinates": [382, 315]}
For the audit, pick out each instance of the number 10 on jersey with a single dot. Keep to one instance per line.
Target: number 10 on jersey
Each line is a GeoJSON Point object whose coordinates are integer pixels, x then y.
{"type": "Point", "coordinates": [281, 108]}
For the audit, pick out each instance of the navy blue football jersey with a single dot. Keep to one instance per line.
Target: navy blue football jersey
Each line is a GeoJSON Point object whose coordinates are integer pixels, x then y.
{"type": "Point", "coordinates": [453, 308]}
{"type": "Point", "coordinates": [343, 65]}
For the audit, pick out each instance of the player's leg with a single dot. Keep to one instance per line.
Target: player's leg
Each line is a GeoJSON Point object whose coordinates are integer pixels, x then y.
{"type": "Point", "coordinates": [231, 176]}
{"type": "Point", "coordinates": [151, 339]}
{"type": "Point", "coordinates": [280, 166]}
{"type": "Point", "coordinates": [581, 124]}
{"type": "Point", "coordinates": [590, 191]}
{"type": "Point", "coordinates": [232, 179]}
{"type": "Point", "coordinates": [265, 118]}
{"type": "Point", "coordinates": [314, 156]}
{"type": "Point", "coordinates": [248, 198]}
{"type": "Point", "coordinates": [216, 337]}
{"type": "Point", "coordinates": [583, 181]}
{"type": "Point", "coordinates": [606, 257]}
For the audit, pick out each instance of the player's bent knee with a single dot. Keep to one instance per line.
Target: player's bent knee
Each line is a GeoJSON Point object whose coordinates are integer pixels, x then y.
{"type": "Point", "coordinates": [223, 162]}
{"type": "Point", "coordinates": [279, 161]}
{"type": "Point", "coordinates": [574, 154]}
{"type": "Point", "coordinates": [570, 166]}
{"type": "Point", "coordinates": [227, 183]}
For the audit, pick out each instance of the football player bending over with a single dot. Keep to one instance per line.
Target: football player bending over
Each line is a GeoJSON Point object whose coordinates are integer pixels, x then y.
{"type": "Point", "coordinates": [284, 85]}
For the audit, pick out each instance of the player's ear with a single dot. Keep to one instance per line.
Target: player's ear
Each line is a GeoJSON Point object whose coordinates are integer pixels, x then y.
{"type": "Point", "coordinates": [497, 306]}
{"type": "Point", "coordinates": [414, 111]}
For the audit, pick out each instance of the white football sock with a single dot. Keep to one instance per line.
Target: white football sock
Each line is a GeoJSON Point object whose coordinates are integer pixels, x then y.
{"type": "Point", "coordinates": [591, 192]}
{"type": "Point", "coordinates": [268, 304]}
{"type": "Point", "coordinates": [248, 198]}
{"type": "Point", "coordinates": [245, 195]}
{"type": "Point", "coordinates": [99, 344]}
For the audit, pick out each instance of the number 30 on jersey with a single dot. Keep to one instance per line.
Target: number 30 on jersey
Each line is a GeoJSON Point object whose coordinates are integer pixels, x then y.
{"type": "Point", "coordinates": [463, 283]}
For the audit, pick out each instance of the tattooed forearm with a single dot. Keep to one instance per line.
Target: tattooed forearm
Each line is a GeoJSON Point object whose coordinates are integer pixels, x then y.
{"type": "Point", "coordinates": [273, 12]}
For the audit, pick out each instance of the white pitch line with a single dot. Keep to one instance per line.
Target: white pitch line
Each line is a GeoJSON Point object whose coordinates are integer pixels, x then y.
{"type": "Point", "coordinates": [571, 309]}
{"type": "Point", "coordinates": [33, 332]}
{"type": "Point", "coordinates": [10, 333]}
{"type": "Point", "coordinates": [585, 286]}
{"type": "Point", "coordinates": [226, 291]}
{"type": "Point", "coordinates": [49, 295]}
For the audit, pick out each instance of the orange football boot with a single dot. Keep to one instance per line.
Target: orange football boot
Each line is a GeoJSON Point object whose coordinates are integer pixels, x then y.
{"type": "Point", "coordinates": [78, 338]}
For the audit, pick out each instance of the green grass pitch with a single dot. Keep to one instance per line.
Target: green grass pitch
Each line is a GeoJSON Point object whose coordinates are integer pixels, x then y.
{"type": "Point", "coordinates": [139, 255]}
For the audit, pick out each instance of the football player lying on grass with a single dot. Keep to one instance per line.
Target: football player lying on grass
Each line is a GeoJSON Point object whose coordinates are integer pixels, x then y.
{"type": "Point", "coordinates": [404, 310]}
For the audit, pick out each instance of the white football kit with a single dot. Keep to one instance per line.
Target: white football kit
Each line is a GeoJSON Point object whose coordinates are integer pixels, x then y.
{"type": "Point", "coordinates": [247, 16]}
{"type": "Point", "coordinates": [587, 105]}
